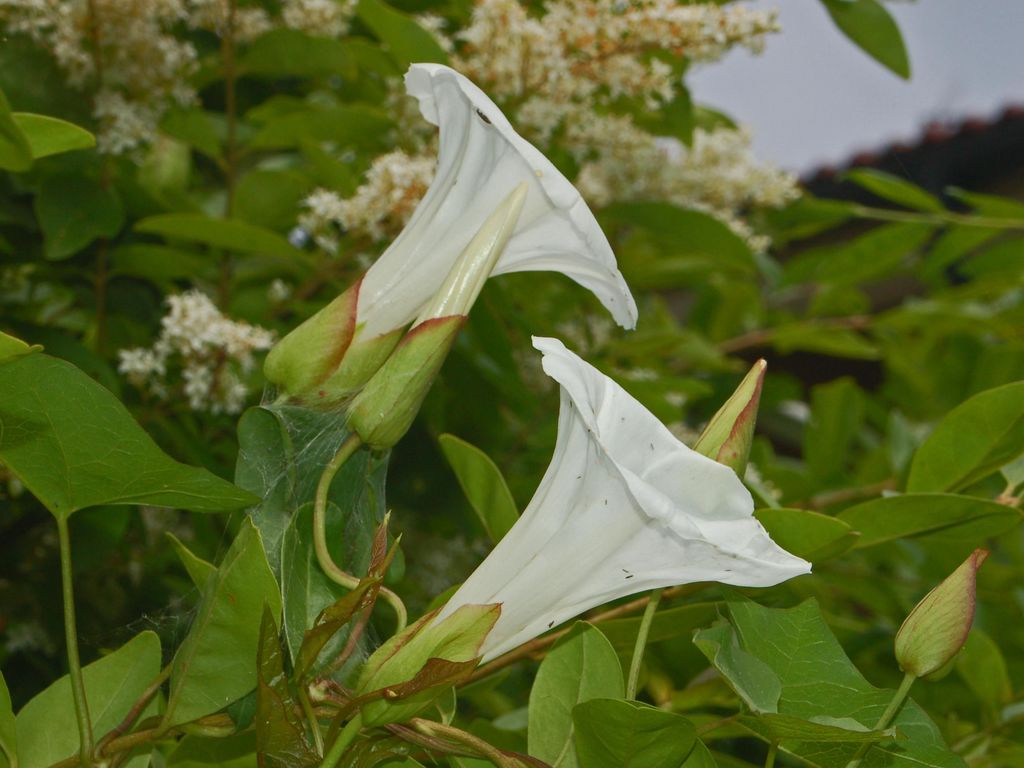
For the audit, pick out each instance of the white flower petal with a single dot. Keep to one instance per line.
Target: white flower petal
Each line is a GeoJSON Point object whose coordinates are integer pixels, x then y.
{"type": "Point", "coordinates": [480, 161]}
{"type": "Point", "coordinates": [623, 508]}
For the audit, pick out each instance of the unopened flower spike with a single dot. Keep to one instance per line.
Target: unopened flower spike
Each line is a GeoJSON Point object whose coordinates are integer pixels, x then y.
{"type": "Point", "coordinates": [624, 507]}
{"type": "Point", "coordinates": [481, 161]}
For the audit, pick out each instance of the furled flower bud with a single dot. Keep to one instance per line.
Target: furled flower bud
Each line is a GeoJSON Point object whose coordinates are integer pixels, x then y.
{"type": "Point", "coordinates": [728, 435]}
{"type": "Point", "coordinates": [937, 628]}
{"type": "Point", "coordinates": [386, 407]}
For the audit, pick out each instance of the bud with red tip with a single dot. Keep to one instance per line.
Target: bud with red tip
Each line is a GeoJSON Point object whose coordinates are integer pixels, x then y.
{"type": "Point", "coordinates": [937, 628]}
{"type": "Point", "coordinates": [728, 435]}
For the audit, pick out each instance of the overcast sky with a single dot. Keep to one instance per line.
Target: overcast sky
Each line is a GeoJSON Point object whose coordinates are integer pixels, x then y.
{"type": "Point", "coordinates": [813, 98]}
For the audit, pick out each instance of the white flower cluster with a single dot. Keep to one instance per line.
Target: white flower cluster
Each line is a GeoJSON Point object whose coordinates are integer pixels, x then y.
{"type": "Point", "coordinates": [380, 207]}
{"type": "Point", "coordinates": [214, 353]}
{"type": "Point", "coordinates": [590, 52]}
{"type": "Point", "coordinates": [326, 18]}
{"type": "Point", "coordinates": [123, 49]}
{"type": "Point", "coordinates": [212, 15]}
{"type": "Point", "coordinates": [718, 174]}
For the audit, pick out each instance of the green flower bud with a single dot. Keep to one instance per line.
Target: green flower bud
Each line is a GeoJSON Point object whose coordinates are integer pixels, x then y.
{"type": "Point", "coordinates": [728, 435]}
{"type": "Point", "coordinates": [937, 628]}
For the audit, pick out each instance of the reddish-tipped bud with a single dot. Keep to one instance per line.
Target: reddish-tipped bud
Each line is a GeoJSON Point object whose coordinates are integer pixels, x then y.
{"type": "Point", "coordinates": [728, 435]}
{"type": "Point", "coordinates": [937, 628]}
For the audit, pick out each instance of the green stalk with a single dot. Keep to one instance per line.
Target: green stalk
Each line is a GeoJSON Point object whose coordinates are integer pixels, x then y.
{"type": "Point", "coordinates": [71, 638]}
{"type": "Point", "coordinates": [887, 717]}
{"type": "Point", "coordinates": [773, 750]}
{"type": "Point", "coordinates": [323, 555]}
{"type": "Point", "coordinates": [314, 723]}
{"type": "Point", "coordinates": [641, 642]}
{"type": "Point", "coordinates": [345, 738]}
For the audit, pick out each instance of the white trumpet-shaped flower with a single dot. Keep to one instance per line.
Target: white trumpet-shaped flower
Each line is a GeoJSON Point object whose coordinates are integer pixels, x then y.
{"type": "Point", "coordinates": [481, 160]}
{"type": "Point", "coordinates": [623, 508]}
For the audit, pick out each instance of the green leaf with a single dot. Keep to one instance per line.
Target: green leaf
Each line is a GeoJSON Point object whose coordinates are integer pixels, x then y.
{"type": "Point", "coordinates": [776, 727]}
{"type": "Point", "coordinates": [974, 440]}
{"type": "Point", "coordinates": [231, 234]}
{"type": "Point", "coordinates": [753, 680]}
{"type": "Point", "coordinates": [837, 414]}
{"type": "Point", "coordinates": [304, 585]}
{"type": "Point", "coordinates": [942, 516]}
{"type": "Point", "coordinates": [159, 264]}
{"type": "Point", "coordinates": [989, 205]}
{"type": "Point", "coordinates": [683, 244]}
{"type": "Point", "coordinates": [216, 663]}
{"type": "Point", "coordinates": [198, 129]}
{"type": "Point", "coordinates": [820, 338]}
{"type": "Point", "coordinates": [355, 125]}
{"type": "Point", "coordinates": [198, 570]}
{"type": "Point", "coordinates": [291, 53]}
{"type": "Point", "coordinates": [401, 36]}
{"type": "Point", "coordinates": [74, 445]}
{"type": "Point", "coordinates": [700, 757]}
{"type": "Point", "coordinates": [820, 684]}
{"type": "Point", "coordinates": [810, 535]}
{"type": "Point", "coordinates": [280, 736]}
{"type": "Point", "coordinates": [52, 136]}
{"type": "Point", "coordinates": [73, 211]}
{"type": "Point", "coordinates": [668, 623]}
{"type": "Point", "coordinates": [868, 24]}
{"type": "Point", "coordinates": [982, 667]}
{"type": "Point", "coordinates": [894, 189]}
{"type": "Point", "coordinates": [47, 726]}
{"type": "Point", "coordinates": [235, 751]}
{"type": "Point", "coordinates": [581, 666]}
{"type": "Point", "coordinates": [483, 484]}
{"type": "Point", "coordinates": [11, 347]}
{"type": "Point", "coordinates": [8, 729]}
{"type": "Point", "coordinates": [271, 198]}
{"type": "Point", "coordinates": [869, 257]}
{"type": "Point", "coordinates": [15, 152]}
{"type": "Point", "coordinates": [612, 733]}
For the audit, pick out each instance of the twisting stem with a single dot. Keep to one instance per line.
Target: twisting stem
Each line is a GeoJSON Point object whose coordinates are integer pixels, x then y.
{"type": "Point", "coordinates": [887, 717]}
{"type": "Point", "coordinates": [323, 555]}
{"type": "Point", "coordinates": [71, 638]}
{"type": "Point", "coordinates": [345, 738]}
{"type": "Point", "coordinates": [641, 642]}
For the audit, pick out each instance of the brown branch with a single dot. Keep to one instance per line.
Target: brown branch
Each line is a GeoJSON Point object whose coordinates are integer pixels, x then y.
{"type": "Point", "coordinates": [831, 498]}
{"type": "Point", "coordinates": [764, 336]}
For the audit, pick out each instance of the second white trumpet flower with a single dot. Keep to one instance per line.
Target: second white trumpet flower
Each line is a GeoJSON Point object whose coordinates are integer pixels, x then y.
{"type": "Point", "coordinates": [624, 507]}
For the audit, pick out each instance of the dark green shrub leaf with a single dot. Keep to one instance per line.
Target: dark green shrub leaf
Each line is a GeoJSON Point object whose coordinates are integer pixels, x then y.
{"type": "Point", "coordinates": [868, 257]}
{"type": "Point", "coordinates": [612, 733]}
{"type": "Point", "coordinates": [894, 189]}
{"type": "Point", "coordinates": [234, 235]}
{"type": "Point", "coordinates": [216, 663]}
{"type": "Point", "coordinates": [355, 125]}
{"type": "Point", "coordinates": [483, 484]}
{"type": "Point", "coordinates": [15, 152]}
{"type": "Point", "coordinates": [47, 727]}
{"type": "Point", "coordinates": [667, 624]}
{"type": "Point", "coordinates": [752, 679]}
{"type": "Point", "coordinates": [8, 728]}
{"type": "Point", "coordinates": [837, 414]}
{"type": "Point", "coordinates": [402, 37]}
{"type": "Point", "coordinates": [941, 516]}
{"type": "Point", "coordinates": [868, 24]}
{"type": "Point", "coordinates": [74, 445]}
{"type": "Point", "coordinates": [983, 669]}
{"type": "Point", "coordinates": [581, 666]}
{"type": "Point", "coordinates": [291, 53]}
{"type": "Point", "coordinates": [810, 535]}
{"type": "Point", "coordinates": [974, 440]}
{"type": "Point", "coordinates": [75, 210]}
{"type": "Point", "coordinates": [237, 751]}
{"type": "Point", "coordinates": [200, 130]}
{"type": "Point", "coordinates": [776, 727]}
{"type": "Point", "coordinates": [198, 570]}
